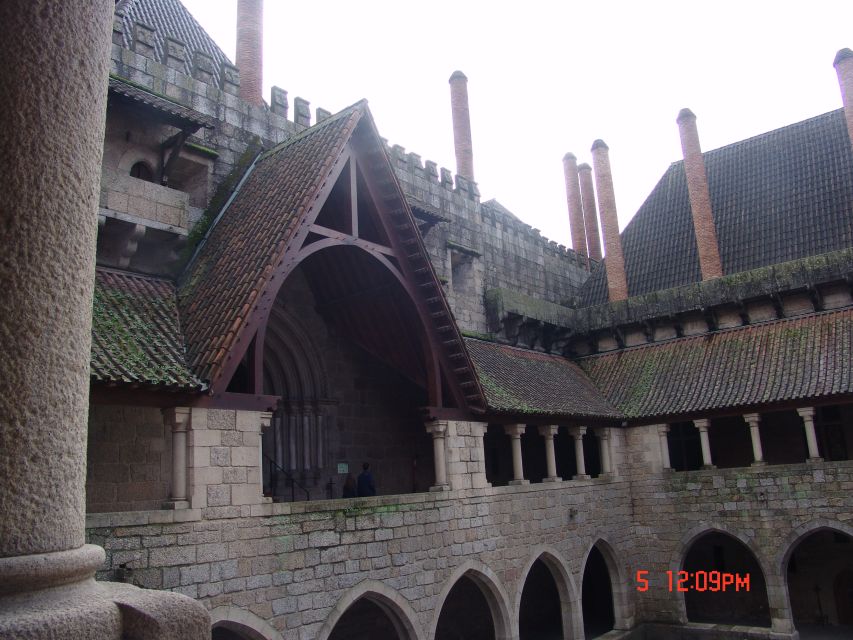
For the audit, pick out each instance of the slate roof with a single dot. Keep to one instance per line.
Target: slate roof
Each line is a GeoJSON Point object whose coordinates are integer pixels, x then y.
{"type": "Point", "coordinates": [528, 382]}
{"type": "Point", "coordinates": [136, 334]}
{"type": "Point", "coordinates": [177, 114]}
{"type": "Point", "coordinates": [779, 196]}
{"type": "Point", "coordinates": [790, 359]}
{"type": "Point", "coordinates": [171, 18]}
{"type": "Point", "coordinates": [235, 263]}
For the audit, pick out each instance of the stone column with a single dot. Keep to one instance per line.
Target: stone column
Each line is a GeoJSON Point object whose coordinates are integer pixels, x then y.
{"type": "Point", "coordinates": [604, 445]}
{"type": "Point", "coordinates": [548, 432]}
{"type": "Point", "coordinates": [703, 425]}
{"type": "Point", "coordinates": [754, 420]}
{"type": "Point", "coordinates": [578, 433]}
{"type": "Point", "coordinates": [478, 456]}
{"type": "Point", "coordinates": [807, 414]}
{"type": "Point", "coordinates": [178, 418]}
{"type": "Point", "coordinates": [514, 431]}
{"type": "Point", "coordinates": [438, 429]}
{"type": "Point", "coordinates": [663, 430]}
{"type": "Point", "coordinates": [52, 104]}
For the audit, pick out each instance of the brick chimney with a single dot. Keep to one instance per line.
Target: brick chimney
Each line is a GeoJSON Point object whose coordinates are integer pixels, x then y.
{"type": "Point", "coordinates": [461, 125]}
{"type": "Point", "coordinates": [573, 198]}
{"type": "Point", "coordinates": [590, 215]}
{"type": "Point", "coordinates": [250, 42]}
{"type": "Point", "coordinates": [617, 284]}
{"type": "Point", "coordinates": [844, 68]}
{"type": "Point", "coordinates": [700, 198]}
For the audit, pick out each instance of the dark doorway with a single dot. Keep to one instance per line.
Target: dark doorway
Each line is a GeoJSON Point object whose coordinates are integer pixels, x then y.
{"type": "Point", "coordinates": [465, 614]}
{"type": "Point", "coordinates": [229, 632]}
{"type": "Point", "coordinates": [498, 450]}
{"type": "Point", "coordinates": [564, 450]}
{"type": "Point", "coordinates": [685, 449]}
{"type": "Point", "coordinates": [597, 596]}
{"type": "Point", "coordinates": [708, 599]}
{"type": "Point", "coordinates": [592, 453]}
{"type": "Point", "coordinates": [365, 620]}
{"type": "Point", "coordinates": [533, 455]}
{"type": "Point", "coordinates": [820, 582]}
{"type": "Point", "coordinates": [541, 616]}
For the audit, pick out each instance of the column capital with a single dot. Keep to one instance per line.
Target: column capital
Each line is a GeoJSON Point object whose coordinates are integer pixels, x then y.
{"type": "Point", "coordinates": [266, 419]}
{"type": "Point", "coordinates": [752, 419]}
{"type": "Point", "coordinates": [437, 428]}
{"type": "Point", "coordinates": [577, 432]}
{"type": "Point", "coordinates": [702, 424]}
{"type": "Point", "coordinates": [603, 433]}
{"type": "Point", "coordinates": [515, 430]}
{"type": "Point", "coordinates": [548, 431]}
{"type": "Point", "coordinates": [806, 413]}
{"type": "Point", "coordinates": [662, 429]}
{"type": "Point", "coordinates": [178, 418]}
{"type": "Point", "coordinates": [478, 429]}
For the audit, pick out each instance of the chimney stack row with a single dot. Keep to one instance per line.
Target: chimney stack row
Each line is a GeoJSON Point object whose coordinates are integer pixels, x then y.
{"type": "Point", "coordinates": [590, 214]}
{"type": "Point", "coordinates": [250, 40]}
{"type": "Point", "coordinates": [617, 283]}
{"type": "Point", "coordinates": [573, 198]}
{"type": "Point", "coordinates": [461, 125]}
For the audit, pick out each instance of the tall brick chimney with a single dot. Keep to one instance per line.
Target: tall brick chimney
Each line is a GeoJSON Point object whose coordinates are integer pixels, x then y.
{"type": "Point", "coordinates": [617, 284]}
{"type": "Point", "coordinates": [844, 68]}
{"type": "Point", "coordinates": [590, 215]}
{"type": "Point", "coordinates": [250, 44]}
{"type": "Point", "coordinates": [573, 198]}
{"type": "Point", "coordinates": [700, 198]}
{"type": "Point", "coordinates": [461, 125]}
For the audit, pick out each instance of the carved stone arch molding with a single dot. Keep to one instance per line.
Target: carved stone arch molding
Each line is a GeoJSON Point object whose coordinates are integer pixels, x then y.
{"type": "Point", "coordinates": [243, 622]}
{"type": "Point", "coordinates": [395, 606]}
{"type": "Point", "coordinates": [623, 605]}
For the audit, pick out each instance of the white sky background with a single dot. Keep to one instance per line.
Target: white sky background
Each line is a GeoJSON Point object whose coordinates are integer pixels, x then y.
{"type": "Point", "coordinates": [545, 78]}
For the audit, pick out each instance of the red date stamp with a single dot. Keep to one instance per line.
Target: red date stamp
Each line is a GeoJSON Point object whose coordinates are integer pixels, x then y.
{"type": "Point", "coordinates": [683, 581]}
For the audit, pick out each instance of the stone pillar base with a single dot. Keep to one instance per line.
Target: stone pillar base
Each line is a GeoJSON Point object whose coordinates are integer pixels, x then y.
{"type": "Point", "coordinates": [758, 463]}
{"type": "Point", "coordinates": [53, 595]}
{"type": "Point", "coordinates": [708, 467]}
{"type": "Point", "coordinates": [554, 479]}
{"type": "Point", "coordinates": [814, 460]}
{"type": "Point", "coordinates": [581, 476]}
{"type": "Point", "coordinates": [174, 505]}
{"type": "Point", "coordinates": [439, 487]}
{"type": "Point", "coordinates": [518, 483]}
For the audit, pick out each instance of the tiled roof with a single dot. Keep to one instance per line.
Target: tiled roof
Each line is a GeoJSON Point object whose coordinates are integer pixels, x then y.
{"type": "Point", "coordinates": [234, 264]}
{"type": "Point", "coordinates": [136, 335]}
{"type": "Point", "coordinates": [521, 381]}
{"type": "Point", "coordinates": [791, 359]}
{"type": "Point", "coordinates": [178, 114]}
{"type": "Point", "coordinates": [780, 196]}
{"type": "Point", "coordinates": [171, 19]}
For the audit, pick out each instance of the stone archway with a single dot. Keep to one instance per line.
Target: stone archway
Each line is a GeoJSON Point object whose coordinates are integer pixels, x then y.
{"type": "Point", "coordinates": [547, 600]}
{"type": "Point", "coordinates": [234, 623]}
{"type": "Point", "coordinates": [599, 614]}
{"type": "Point", "coordinates": [371, 610]}
{"type": "Point", "coordinates": [473, 606]}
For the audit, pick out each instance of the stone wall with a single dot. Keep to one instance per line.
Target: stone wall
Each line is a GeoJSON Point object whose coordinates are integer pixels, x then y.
{"type": "Point", "coordinates": [129, 461]}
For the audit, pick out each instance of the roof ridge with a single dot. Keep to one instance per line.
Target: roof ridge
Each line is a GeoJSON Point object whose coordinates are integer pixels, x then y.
{"type": "Point", "coordinates": [360, 105]}
{"type": "Point", "coordinates": [133, 274]}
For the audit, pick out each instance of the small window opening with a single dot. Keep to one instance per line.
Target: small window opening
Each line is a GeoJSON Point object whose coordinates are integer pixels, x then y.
{"type": "Point", "coordinates": [142, 171]}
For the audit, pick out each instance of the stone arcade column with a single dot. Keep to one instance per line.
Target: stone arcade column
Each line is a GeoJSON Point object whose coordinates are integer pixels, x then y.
{"type": "Point", "coordinates": [604, 444]}
{"type": "Point", "coordinates": [703, 425]}
{"type": "Point", "coordinates": [578, 434]}
{"type": "Point", "coordinates": [663, 430]}
{"type": "Point", "coordinates": [52, 105]}
{"type": "Point", "coordinates": [514, 431]}
{"type": "Point", "coordinates": [178, 418]}
{"type": "Point", "coordinates": [438, 429]}
{"type": "Point", "coordinates": [807, 414]}
{"type": "Point", "coordinates": [548, 432]}
{"type": "Point", "coordinates": [754, 421]}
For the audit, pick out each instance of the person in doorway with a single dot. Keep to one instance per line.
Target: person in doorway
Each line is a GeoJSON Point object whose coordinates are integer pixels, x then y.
{"type": "Point", "coordinates": [365, 482]}
{"type": "Point", "coordinates": [349, 487]}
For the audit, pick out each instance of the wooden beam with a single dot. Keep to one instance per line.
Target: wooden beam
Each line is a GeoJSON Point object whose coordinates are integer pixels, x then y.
{"type": "Point", "coordinates": [346, 239]}
{"type": "Point", "coordinates": [242, 401]}
{"type": "Point", "coordinates": [353, 195]}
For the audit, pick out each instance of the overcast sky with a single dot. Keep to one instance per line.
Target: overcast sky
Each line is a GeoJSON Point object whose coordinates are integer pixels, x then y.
{"type": "Point", "coordinates": [545, 78]}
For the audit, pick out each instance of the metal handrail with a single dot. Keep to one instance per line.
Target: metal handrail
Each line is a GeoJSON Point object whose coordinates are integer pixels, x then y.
{"type": "Point", "coordinates": [274, 469]}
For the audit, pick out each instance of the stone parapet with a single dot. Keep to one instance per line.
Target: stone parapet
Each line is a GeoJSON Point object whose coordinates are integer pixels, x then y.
{"type": "Point", "coordinates": [124, 194]}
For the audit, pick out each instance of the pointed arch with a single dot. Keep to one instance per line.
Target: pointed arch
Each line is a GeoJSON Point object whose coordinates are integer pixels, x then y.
{"type": "Point", "coordinates": [243, 622]}
{"type": "Point", "coordinates": [623, 616]}
{"type": "Point", "coordinates": [492, 590]}
{"type": "Point", "coordinates": [566, 588]}
{"type": "Point", "coordinates": [395, 606]}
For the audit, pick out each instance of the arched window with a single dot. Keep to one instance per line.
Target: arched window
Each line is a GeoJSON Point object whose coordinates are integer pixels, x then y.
{"type": "Point", "coordinates": [142, 171]}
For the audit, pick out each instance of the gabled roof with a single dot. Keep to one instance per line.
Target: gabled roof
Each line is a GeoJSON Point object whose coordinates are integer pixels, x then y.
{"type": "Point", "coordinates": [170, 18]}
{"type": "Point", "coordinates": [784, 360]}
{"type": "Point", "coordinates": [780, 196]}
{"type": "Point", "coordinates": [528, 382]}
{"type": "Point", "coordinates": [136, 334]}
{"type": "Point", "coordinates": [234, 265]}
